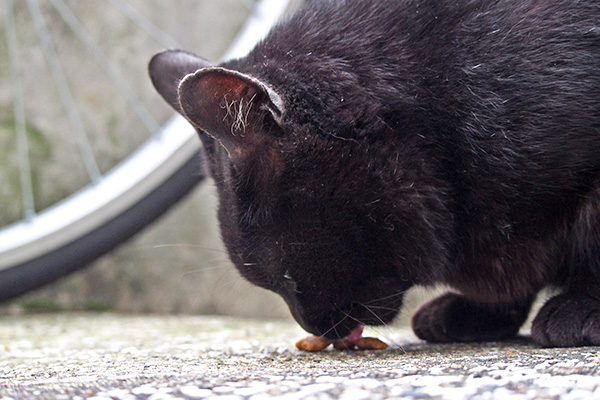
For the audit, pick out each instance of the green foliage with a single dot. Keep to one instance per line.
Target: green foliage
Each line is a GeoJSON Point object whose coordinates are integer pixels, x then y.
{"type": "Point", "coordinates": [40, 305]}
{"type": "Point", "coordinates": [40, 154]}
{"type": "Point", "coordinates": [96, 306]}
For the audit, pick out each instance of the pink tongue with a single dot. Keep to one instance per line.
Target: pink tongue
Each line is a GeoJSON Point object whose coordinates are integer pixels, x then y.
{"type": "Point", "coordinates": [355, 334]}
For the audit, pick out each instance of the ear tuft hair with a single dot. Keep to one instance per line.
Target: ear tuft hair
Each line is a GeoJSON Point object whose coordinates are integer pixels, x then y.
{"type": "Point", "coordinates": [230, 106]}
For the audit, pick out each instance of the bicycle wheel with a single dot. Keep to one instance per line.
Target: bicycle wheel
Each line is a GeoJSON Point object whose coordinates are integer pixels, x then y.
{"type": "Point", "coordinates": [117, 201]}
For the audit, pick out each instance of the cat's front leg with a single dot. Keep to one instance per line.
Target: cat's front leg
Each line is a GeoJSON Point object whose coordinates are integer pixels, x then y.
{"type": "Point", "coordinates": [456, 318]}
{"type": "Point", "coordinates": [568, 319]}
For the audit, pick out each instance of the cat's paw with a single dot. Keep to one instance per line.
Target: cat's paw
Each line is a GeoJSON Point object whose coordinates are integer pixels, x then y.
{"type": "Point", "coordinates": [568, 320]}
{"type": "Point", "coordinates": [454, 318]}
{"type": "Point", "coordinates": [428, 322]}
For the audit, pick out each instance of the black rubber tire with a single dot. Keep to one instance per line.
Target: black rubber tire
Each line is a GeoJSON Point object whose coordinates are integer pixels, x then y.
{"type": "Point", "coordinates": [80, 252]}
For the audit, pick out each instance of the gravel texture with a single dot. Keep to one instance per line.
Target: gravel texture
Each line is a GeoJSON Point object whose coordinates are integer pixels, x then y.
{"type": "Point", "coordinates": [106, 356]}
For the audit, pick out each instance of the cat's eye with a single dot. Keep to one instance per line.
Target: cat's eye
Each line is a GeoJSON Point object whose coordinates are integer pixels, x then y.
{"type": "Point", "coordinates": [289, 283]}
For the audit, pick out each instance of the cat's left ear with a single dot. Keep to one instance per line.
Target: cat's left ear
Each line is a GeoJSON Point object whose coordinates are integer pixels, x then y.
{"type": "Point", "coordinates": [236, 109]}
{"type": "Point", "coordinates": [168, 68]}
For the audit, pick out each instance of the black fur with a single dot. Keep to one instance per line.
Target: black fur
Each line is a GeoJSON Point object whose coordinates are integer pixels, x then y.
{"type": "Point", "coordinates": [366, 146]}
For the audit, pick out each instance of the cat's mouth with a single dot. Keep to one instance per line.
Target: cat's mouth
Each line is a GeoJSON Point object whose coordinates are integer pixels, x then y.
{"type": "Point", "coordinates": [332, 320]}
{"type": "Point", "coordinates": [343, 324]}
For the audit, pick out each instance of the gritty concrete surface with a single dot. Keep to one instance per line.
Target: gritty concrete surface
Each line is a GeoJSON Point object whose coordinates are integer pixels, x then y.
{"type": "Point", "coordinates": [108, 356]}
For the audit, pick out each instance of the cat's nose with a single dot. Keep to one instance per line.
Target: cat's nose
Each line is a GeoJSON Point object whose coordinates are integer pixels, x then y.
{"type": "Point", "coordinates": [334, 325]}
{"type": "Point", "coordinates": [337, 328]}
{"type": "Point", "coordinates": [301, 319]}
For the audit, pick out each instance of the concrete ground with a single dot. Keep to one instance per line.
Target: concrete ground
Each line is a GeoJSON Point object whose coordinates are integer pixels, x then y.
{"type": "Point", "coordinates": [111, 356]}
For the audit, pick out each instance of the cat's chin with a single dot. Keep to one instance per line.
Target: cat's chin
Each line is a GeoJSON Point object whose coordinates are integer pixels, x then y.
{"type": "Point", "coordinates": [340, 325]}
{"type": "Point", "coordinates": [347, 328]}
{"type": "Point", "coordinates": [341, 330]}
{"type": "Point", "coordinates": [341, 321]}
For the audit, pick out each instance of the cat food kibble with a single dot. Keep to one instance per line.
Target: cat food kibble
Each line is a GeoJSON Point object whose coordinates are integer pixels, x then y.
{"type": "Point", "coordinates": [318, 343]}
{"type": "Point", "coordinates": [313, 343]}
{"type": "Point", "coordinates": [370, 343]}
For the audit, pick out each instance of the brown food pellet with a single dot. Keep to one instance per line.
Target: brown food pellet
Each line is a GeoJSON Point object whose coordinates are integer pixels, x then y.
{"type": "Point", "coordinates": [313, 343]}
{"type": "Point", "coordinates": [370, 343]}
{"type": "Point", "coordinates": [318, 343]}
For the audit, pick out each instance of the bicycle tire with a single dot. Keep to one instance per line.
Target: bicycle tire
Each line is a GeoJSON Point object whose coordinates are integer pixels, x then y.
{"type": "Point", "coordinates": [70, 235]}
{"type": "Point", "coordinates": [86, 248]}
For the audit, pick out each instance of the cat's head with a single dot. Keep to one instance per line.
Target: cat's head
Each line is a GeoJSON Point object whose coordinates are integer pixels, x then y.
{"type": "Point", "coordinates": [302, 213]}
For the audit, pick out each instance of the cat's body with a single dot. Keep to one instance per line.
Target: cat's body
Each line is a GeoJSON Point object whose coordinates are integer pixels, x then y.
{"type": "Point", "coordinates": [368, 146]}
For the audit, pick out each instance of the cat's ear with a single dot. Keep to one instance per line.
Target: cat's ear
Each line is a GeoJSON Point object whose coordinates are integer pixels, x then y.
{"type": "Point", "coordinates": [168, 68]}
{"type": "Point", "coordinates": [236, 109]}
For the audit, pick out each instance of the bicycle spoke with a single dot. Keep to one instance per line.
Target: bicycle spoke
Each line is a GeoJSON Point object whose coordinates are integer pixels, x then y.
{"type": "Point", "coordinates": [19, 114]}
{"type": "Point", "coordinates": [64, 92]}
{"type": "Point", "coordinates": [134, 102]}
{"type": "Point", "coordinates": [145, 24]}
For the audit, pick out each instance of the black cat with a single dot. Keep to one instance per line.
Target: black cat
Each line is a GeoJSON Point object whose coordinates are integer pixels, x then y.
{"type": "Point", "coordinates": [366, 146]}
